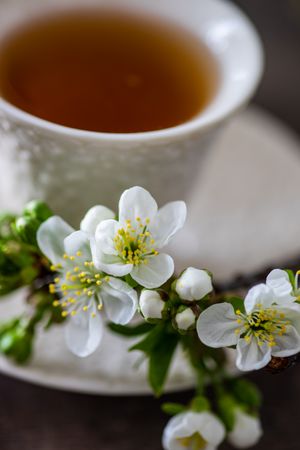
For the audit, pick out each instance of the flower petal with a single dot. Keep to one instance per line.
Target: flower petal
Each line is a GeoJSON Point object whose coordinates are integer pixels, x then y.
{"type": "Point", "coordinates": [287, 344]}
{"type": "Point", "coordinates": [83, 332]}
{"type": "Point", "coordinates": [78, 242]}
{"type": "Point", "coordinates": [210, 428]}
{"type": "Point", "coordinates": [216, 326]}
{"type": "Point", "coordinates": [168, 221]}
{"type": "Point", "coordinates": [50, 238]}
{"type": "Point", "coordinates": [279, 281]}
{"type": "Point", "coordinates": [120, 301]}
{"type": "Point", "coordinates": [111, 264]}
{"type": "Point", "coordinates": [251, 356]}
{"type": "Point", "coordinates": [136, 202]}
{"type": "Point", "coordinates": [247, 430]}
{"type": "Point", "coordinates": [259, 294]}
{"type": "Point", "coordinates": [94, 216]}
{"type": "Point", "coordinates": [155, 273]}
{"type": "Point", "coordinates": [105, 233]}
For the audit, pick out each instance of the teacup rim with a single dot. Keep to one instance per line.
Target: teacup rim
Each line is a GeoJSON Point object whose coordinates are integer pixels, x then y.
{"type": "Point", "coordinates": [197, 125]}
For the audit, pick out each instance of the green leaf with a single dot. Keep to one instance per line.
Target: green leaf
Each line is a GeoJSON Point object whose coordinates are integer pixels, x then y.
{"type": "Point", "coordinates": [247, 393]}
{"type": "Point", "coordinates": [131, 331]}
{"type": "Point", "coordinates": [173, 408]}
{"type": "Point", "coordinates": [226, 407]}
{"type": "Point", "coordinates": [151, 340]}
{"type": "Point", "coordinates": [160, 360]}
{"type": "Point", "coordinates": [237, 303]}
{"type": "Point", "coordinates": [159, 345]}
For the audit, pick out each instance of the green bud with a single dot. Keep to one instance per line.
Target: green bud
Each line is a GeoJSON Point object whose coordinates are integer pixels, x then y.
{"type": "Point", "coordinates": [26, 228]}
{"type": "Point", "coordinates": [6, 226]}
{"type": "Point", "coordinates": [38, 209]}
{"type": "Point", "coordinates": [200, 404]}
{"type": "Point", "coordinates": [247, 393]}
{"type": "Point", "coordinates": [16, 341]}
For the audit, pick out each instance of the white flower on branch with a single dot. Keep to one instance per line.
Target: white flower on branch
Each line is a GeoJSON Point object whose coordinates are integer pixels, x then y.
{"type": "Point", "coordinates": [193, 284]}
{"type": "Point", "coordinates": [151, 304]}
{"type": "Point", "coordinates": [247, 430]}
{"type": "Point", "coordinates": [191, 430]}
{"type": "Point", "coordinates": [266, 328]}
{"type": "Point", "coordinates": [81, 289]}
{"type": "Point", "coordinates": [132, 244]}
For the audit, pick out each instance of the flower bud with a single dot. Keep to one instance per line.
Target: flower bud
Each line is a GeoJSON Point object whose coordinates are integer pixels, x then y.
{"type": "Point", "coordinates": [26, 228]}
{"type": "Point", "coordinates": [38, 210]}
{"type": "Point", "coordinates": [185, 319]}
{"type": "Point", "coordinates": [151, 304]}
{"type": "Point", "coordinates": [247, 430]}
{"type": "Point", "coordinates": [193, 284]}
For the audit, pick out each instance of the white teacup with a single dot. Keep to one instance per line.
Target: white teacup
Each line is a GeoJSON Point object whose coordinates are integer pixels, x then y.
{"type": "Point", "coordinates": [73, 169]}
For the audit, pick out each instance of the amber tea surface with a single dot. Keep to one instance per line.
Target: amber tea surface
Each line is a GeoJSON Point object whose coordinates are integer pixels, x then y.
{"type": "Point", "coordinates": [107, 71]}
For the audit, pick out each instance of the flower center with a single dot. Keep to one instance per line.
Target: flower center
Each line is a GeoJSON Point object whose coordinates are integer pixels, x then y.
{"type": "Point", "coordinates": [135, 245]}
{"type": "Point", "coordinates": [194, 442]}
{"type": "Point", "coordinates": [264, 324]}
{"type": "Point", "coordinates": [77, 284]}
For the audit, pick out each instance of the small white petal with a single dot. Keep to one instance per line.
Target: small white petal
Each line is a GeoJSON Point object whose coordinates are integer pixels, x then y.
{"type": "Point", "coordinates": [251, 356]}
{"type": "Point", "coordinates": [78, 242]}
{"type": "Point", "coordinates": [105, 233]}
{"type": "Point", "coordinates": [170, 219]}
{"type": "Point", "coordinates": [50, 237]}
{"type": "Point", "coordinates": [84, 332]}
{"type": "Point", "coordinates": [279, 281]}
{"type": "Point", "coordinates": [288, 344]}
{"type": "Point", "coordinates": [193, 284]}
{"type": "Point", "coordinates": [94, 216]}
{"type": "Point", "coordinates": [151, 304]}
{"type": "Point", "coordinates": [216, 326]}
{"type": "Point", "coordinates": [136, 202]}
{"type": "Point", "coordinates": [113, 265]}
{"type": "Point", "coordinates": [154, 274]}
{"type": "Point", "coordinates": [247, 430]}
{"type": "Point", "coordinates": [259, 294]}
{"type": "Point", "coordinates": [120, 301]}
{"type": "Point", "coordinates": [185, 319]}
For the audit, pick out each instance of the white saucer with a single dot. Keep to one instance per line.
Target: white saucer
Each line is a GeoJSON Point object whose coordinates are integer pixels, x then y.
{"type": "Point", "coordinates": [243, 215]}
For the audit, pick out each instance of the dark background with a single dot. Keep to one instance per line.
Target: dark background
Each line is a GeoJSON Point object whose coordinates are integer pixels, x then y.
{"type": "Point", "coordinates": [35, 418]}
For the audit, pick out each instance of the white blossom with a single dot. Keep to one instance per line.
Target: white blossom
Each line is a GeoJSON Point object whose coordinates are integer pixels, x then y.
{"type": "Point", "coordinates": [185, 319]}
{"type": "Point", "coordinates": [82, 290]}
{"type": "Point", "coordinates": [194, 431]}
{"type": "Point", "coordinates": [151, 304]}
{"type": "Point", "coordinates": [266, 329]}
{"type": "Point", "coordinates": [247, 430]}
{"type": "Point", "coordinates": [132, 244]}
{"type": "Point", "coordinates": [193, 284]}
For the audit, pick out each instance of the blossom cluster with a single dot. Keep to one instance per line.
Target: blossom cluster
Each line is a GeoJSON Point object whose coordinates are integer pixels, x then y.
{"type": "Point", "coordinates": [113, 267]}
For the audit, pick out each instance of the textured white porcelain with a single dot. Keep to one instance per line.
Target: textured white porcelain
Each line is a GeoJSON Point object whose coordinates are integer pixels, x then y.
{"type": "Point", "coordinates": [74, 169]}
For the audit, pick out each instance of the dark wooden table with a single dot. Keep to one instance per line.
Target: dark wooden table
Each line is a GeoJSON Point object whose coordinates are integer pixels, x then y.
{"type": "Point", "coordinates": [35, 418]}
